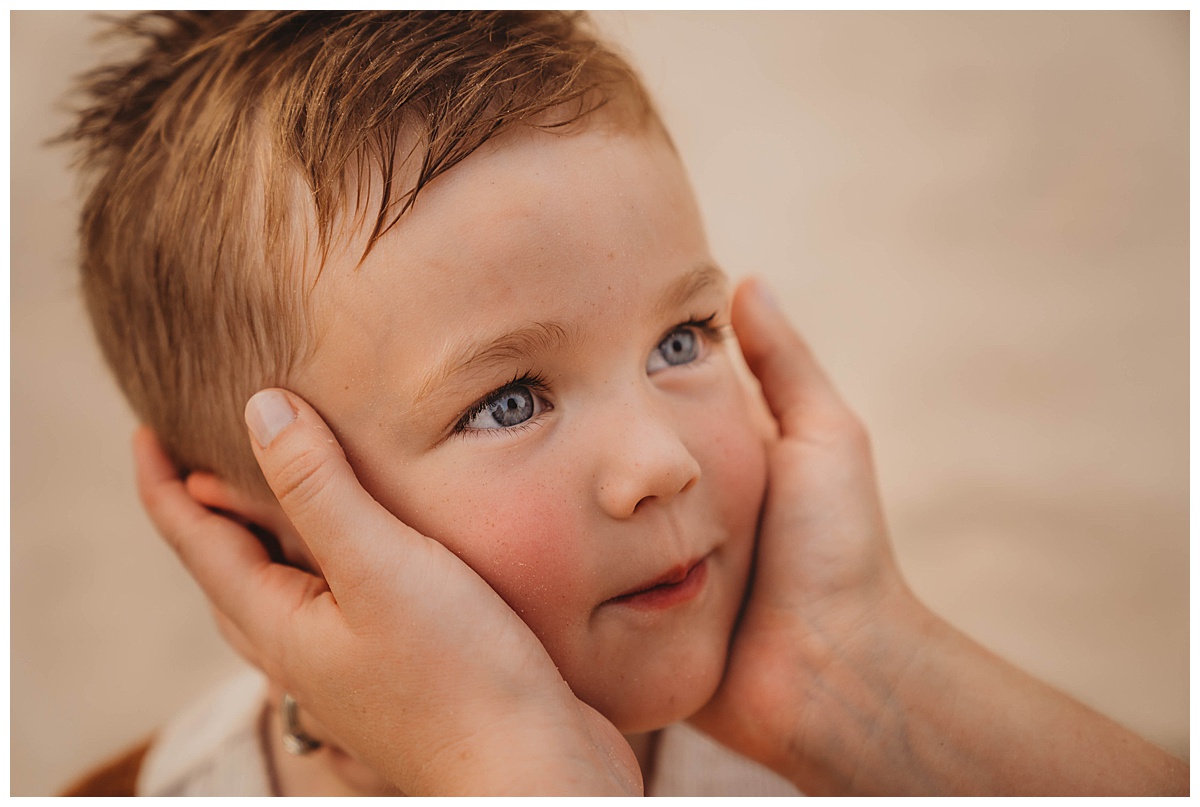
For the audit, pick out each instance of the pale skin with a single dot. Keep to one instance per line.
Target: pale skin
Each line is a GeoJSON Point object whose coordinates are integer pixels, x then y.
{"type": "Point", "coordinates": [837, 677]}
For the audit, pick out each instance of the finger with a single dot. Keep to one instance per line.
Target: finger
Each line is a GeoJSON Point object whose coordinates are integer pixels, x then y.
{"type": "Point", "coordinates": [351, 535]}
{"type": "Point", "coordinates": [260, 514]}
{"type": "Point", "coordinates": [236, 639]}
{"type": "Point", "coordinates": [794, 385]}
{"type": "Point", "coordinates": [228, 562]}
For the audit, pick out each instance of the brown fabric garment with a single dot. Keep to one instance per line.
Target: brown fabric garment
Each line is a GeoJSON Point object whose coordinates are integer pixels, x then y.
{"type": "Point", "coordinates": [117, 777]}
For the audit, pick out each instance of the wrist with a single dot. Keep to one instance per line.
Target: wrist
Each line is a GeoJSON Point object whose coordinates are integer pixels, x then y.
{"type": "Point", "coordinates": [854, 723]}
{"type": "Point", "coordinates": [551, 745]}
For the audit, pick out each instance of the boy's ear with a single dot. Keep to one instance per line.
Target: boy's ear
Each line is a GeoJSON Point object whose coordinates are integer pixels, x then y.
{"type": "Point", "coordinates": [260, 513]}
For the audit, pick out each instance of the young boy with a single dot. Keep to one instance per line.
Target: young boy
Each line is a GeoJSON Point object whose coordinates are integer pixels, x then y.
{"type": "Point", "coordinates": [467, 241]}
{"type": "Point", "coordinates": [529, 364]}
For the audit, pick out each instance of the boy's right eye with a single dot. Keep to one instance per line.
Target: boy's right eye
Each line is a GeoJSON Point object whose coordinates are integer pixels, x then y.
{"type": "Point", "coordinates": [511, 405]}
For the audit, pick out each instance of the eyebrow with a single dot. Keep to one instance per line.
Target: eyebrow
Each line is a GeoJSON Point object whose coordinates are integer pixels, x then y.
{"type": "Point", "coordinates": [546, 337]}
{"type": "Point", "coordinates": [537, 337]}
{"type": "Point", "coordinates": [702, 278]}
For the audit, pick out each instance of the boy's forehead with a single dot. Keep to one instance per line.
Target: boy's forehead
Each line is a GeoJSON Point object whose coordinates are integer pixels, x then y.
{"type": "Point", "coordinates": [523, 173]}
{"type": "Point", "coordinates": [530, 248]}
{"type": "Point", "coordinates": [526, 197]}
{"type": "Point", "coordinates": [356, 220]}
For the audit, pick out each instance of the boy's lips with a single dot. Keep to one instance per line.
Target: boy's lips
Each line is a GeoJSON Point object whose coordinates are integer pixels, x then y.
{"type": "Point", "coordinates": [679, 584]}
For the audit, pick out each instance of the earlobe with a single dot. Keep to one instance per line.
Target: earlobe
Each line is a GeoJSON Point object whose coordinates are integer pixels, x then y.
{"type": "Point", "coordinates": [260, 514]}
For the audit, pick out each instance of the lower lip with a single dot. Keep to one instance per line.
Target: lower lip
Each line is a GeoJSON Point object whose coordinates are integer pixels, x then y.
{"type": "Point", "coordinates": [668, 596]}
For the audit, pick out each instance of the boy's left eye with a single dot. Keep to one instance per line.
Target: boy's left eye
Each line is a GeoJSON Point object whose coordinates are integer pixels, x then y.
{"type": "Point", "coordinates": [681, 346]}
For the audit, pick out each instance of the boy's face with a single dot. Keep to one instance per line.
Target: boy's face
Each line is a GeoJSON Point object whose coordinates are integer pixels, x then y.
{"type": "Point", "coordinates": [530, 368]}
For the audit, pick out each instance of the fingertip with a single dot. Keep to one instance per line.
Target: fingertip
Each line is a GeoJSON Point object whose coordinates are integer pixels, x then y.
{"type": "Point", "coordinates": [760, 291]}
{"type": "Point", "coordinates": [779, 357]}
{"type": "Point", "coordinates": [202, 486]}
{"type": "Point", "coordinates": [267, 413]}
{"type": "Point", "coordinates": [756, 318]}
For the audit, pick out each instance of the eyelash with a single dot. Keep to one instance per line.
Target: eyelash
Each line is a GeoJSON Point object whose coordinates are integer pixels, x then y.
{"type": "Point", "coordinates": [714, 334]}
{"type": "Point", "coordinates": [533, 381]}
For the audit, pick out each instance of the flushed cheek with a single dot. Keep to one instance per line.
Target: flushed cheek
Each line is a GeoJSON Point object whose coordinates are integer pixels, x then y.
{"type": "Point", "coordinates": [735, 459]}
{"type": "Point", "coordinates": [524, 543]}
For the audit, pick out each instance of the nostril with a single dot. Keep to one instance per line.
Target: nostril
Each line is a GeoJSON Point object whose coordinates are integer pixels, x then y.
{"type": "Point", "coordinates": [686, 487]}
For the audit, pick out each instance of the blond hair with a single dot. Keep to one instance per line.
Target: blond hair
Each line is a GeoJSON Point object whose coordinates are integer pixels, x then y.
{"type": "Point", "coordinates": [196, 150]}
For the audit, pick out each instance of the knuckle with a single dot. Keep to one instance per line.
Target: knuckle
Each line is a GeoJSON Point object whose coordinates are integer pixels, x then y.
{"type": "Point", "coordinates": [301, 478]}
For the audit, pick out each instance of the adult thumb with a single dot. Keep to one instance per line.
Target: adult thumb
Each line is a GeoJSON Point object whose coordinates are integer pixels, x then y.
{"type": "Point", "coordinates": [306, 468]}
{"type": "Point", "coordinates": [794, 385]}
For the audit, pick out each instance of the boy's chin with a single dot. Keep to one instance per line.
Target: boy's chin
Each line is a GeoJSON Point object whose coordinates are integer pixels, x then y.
{"type": "Point", "coordinates": [649, 708]}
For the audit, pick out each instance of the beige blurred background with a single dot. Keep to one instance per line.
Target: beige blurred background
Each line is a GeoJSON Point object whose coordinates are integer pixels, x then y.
{"type": "Point", "coordinates": [980, 222]}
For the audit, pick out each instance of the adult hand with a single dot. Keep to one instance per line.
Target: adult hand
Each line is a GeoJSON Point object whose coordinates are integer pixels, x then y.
{"type": "Point", "coordinates": [824, 577]}
{"type": "Point", "coordinates": [838, 677]}
{"type": "Point", "coordinates": [402, 652]}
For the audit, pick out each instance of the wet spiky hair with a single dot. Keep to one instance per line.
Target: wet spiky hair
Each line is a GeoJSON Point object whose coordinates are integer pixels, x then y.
{"type": "Point", "coordinates": [220, 156]}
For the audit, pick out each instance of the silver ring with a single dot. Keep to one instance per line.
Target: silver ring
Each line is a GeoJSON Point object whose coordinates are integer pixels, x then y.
{"type": "Point", "coordinates": [295, 739]}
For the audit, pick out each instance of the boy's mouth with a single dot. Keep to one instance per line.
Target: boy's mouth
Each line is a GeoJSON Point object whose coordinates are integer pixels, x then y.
{"type": "Point", "coordinates": [676, 586]}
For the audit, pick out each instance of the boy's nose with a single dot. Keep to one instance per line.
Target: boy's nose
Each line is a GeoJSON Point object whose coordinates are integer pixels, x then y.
{"type": "Point", "coordinates": [645, 460]}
